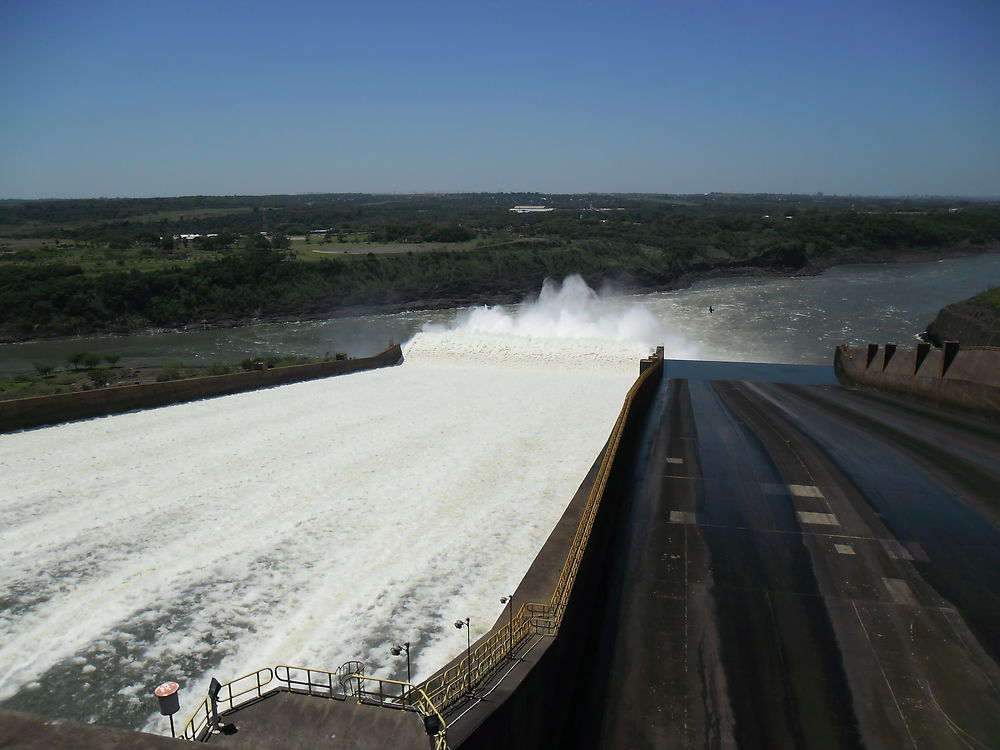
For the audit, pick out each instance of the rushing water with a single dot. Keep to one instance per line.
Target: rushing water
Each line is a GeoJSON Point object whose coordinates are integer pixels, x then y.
{"type": "Point", "coordinates": [792, 320]}
{"type": "Point", "coordinates": [307, 524]}
{"type": "Point", "coordinates": [322, 521]}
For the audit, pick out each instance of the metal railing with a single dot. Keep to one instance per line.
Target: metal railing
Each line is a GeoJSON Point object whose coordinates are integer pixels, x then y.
{"type": "Point", "coordinates": [232, 694]}
{"type": "Point", "coordinates": [315, 682]}
{"type": "Point", "coordinates": [324, 686]}
{"type": "Point", "coordinates": [457, 681]}
{"type": "Point", "coordinates": [449, 687]}
{"type": "Point", "coordinates": [401, 696]}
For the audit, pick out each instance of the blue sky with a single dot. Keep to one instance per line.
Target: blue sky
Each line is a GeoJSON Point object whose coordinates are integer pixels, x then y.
{"type": "Point", "coordinates": [143, 98]}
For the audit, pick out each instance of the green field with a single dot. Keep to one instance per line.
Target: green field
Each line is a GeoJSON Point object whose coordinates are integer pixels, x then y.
{"type": "Point", "coordinates": [989, 298]}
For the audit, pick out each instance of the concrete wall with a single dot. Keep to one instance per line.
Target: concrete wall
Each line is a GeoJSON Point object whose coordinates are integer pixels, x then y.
{"type": "Point", "coordinates": [19, 414]}
{"type": "Point", "coordinates": [537, 713]}
{"type": "Point", "coordinates": [967, 377]}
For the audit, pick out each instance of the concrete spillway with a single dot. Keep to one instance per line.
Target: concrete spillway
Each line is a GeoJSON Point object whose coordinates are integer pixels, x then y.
{"type": "Point", "coordinates": [800, 566]}
{"type": "Point", "coordinates": [308, 524]}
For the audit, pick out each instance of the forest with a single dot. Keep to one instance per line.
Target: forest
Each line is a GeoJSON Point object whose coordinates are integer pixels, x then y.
{"type": "Point", "coordinates": [121, 265]}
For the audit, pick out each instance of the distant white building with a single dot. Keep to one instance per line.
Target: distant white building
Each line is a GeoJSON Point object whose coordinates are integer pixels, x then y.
{"type": "Point", "coordinates": [531, 209]}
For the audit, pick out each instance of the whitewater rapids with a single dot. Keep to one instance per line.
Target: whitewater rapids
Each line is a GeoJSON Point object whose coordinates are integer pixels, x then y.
{"type": "Point", "coordinates": [307, 524]}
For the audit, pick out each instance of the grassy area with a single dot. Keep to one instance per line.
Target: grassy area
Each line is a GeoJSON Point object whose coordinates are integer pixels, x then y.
{"type": "Point", "coordinates": [92, 372]}
{"type": "Point", "coordinates": [354, 245]}
{"type": "Point", "coordinates": [991, 298]}
{"type": "Point", "coordinates": [94, 258]}
{"type": "Point", "coordinates": [97, 259]}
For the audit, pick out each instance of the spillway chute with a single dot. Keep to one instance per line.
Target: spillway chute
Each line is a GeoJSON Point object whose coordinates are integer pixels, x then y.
{"type": "Point", "coordinates": [309, 523]}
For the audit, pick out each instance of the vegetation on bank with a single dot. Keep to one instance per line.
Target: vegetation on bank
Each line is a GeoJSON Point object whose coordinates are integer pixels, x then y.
{"type": "Point", "coordinates": [84, 371]}
{"type": "Point", "coordinates": [972, 322]}
{"type": "Point", "coordinates": [988, 299]}
{"type": "Point", "coordinates": [124, 265]}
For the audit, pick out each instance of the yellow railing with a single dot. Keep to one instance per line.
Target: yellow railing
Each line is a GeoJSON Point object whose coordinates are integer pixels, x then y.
{"type": "Point", "coordinates": [453, 684]}
{"type": "Point", "coordinates": [232, 694]}
{"type": "Point", "coordinates": [449, 686]}
{"type": "Point", "coordinates": [400, 695]}
{"type": "Point", "coordinates": [316, 682]}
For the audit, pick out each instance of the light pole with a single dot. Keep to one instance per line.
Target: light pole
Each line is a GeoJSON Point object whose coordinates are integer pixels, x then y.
{"type": "Point", "coordinates": [509, 601]}
{"type": "Point", "coordinates": [468, 652]}
{"type": "Point", "coordinates": [397, 650]}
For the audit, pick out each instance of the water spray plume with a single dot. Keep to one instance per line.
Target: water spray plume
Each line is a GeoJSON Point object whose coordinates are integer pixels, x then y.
{"type": "Point", "coordinates": [568, 323]}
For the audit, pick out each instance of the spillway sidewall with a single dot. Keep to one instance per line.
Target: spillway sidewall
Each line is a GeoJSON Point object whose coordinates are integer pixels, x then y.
{"type": "Point", "coordinates": [39, 411]}
{"type": "Point", "coordinates": [537, 713]}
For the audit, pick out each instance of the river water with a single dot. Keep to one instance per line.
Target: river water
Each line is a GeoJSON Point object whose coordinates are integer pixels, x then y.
{"type": "Point", "coordinates": [323, 521]}
{"type": "Point", "coordinates": [787, 320]}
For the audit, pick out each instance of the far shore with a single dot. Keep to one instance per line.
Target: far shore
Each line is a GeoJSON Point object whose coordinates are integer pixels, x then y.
{"type": "Point", "coordinates": [518, 294]}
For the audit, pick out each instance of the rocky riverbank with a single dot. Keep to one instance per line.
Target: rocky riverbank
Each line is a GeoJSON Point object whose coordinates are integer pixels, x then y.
{"type": "Point", "coordinates": [972, 322]}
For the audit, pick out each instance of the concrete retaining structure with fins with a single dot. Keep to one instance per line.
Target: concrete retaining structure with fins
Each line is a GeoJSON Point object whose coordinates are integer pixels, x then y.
{"type": "Point", "coordinates": [967, 377]}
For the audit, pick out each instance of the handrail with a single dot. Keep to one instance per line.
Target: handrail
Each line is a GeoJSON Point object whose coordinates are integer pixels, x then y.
{"type": "Point", "coordinates": [322, 690]}
{"type": "Point", "coordinates": [199, 725]}
{"type": "Point", "coordinates": [450, 686]}
{"type": "Point", "coordinates": [409, 696]}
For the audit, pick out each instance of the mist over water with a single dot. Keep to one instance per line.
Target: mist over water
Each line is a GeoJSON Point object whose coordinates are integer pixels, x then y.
{"type": "Point", "coordinates": [568, 310]}
{"type": "Point", "coordinates": [568, 325]}
{"type": "Point", "coordinates": [307, 524]}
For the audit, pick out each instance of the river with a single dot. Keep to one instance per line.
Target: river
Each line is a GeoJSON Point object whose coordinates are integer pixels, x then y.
{"type": "Point", "coordinates": [795, 320]}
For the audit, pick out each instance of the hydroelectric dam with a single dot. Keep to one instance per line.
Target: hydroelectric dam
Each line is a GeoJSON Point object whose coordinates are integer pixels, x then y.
{"type": "Point", "coordinates": [757, 557]}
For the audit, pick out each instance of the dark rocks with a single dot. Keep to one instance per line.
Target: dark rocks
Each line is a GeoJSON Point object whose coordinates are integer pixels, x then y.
{"type": "Point", "coordinates": [973, 322]}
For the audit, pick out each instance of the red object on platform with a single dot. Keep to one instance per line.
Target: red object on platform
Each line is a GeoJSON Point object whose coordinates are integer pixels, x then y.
{"type": "Point", "coordinates": [167, 688]}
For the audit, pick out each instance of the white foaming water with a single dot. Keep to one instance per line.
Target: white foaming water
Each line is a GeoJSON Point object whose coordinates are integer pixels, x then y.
{"type": "Point", "coordinates": [571, 310]}
{"type": "Point", "coordinates": [307, 524]}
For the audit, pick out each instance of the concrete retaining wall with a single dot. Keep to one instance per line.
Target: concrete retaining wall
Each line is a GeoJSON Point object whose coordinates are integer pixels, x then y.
{"type": "Point", "coordinates": [536, 714]}
{"type": "Point", "coordinates": [19, 414]}
{"type": "Point", "coordinates": [968, 377]}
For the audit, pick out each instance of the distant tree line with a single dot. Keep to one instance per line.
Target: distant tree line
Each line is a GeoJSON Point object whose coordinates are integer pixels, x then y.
{"type": "Point", "coordinates": [447, 218]}
{"type": "Point", "coordinates": [645, 245]}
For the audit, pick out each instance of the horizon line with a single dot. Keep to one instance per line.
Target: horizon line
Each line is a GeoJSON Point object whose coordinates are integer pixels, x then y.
{"type": "Point", "coordinates": [699, 193]}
